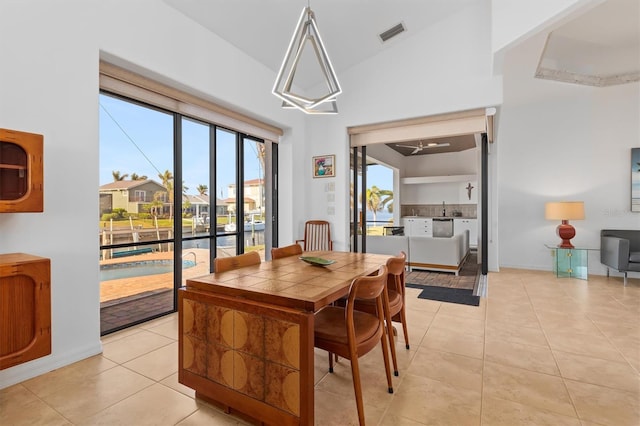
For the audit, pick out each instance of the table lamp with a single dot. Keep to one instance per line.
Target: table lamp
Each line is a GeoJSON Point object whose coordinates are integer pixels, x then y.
{"type": "Point", "coordinates": [564, 211]}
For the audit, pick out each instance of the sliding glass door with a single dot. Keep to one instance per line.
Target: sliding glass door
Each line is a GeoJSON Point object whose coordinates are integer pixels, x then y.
{"type": "Point", "coordinates": [175, 193]}
{"type": "Point", "coordinates": [374, 208]}
{"type": "Point", "coordinates": [137, 212]}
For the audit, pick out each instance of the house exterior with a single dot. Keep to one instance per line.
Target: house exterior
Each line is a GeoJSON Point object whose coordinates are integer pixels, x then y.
{"type": "Point", "coordinates": [132, 195]}
{"type": "Point", "coordinates": [254, 191]}
{"type": "Point", "coordinates": [198, 205]}
{"type": "Point", "coordinates": [230, 203]}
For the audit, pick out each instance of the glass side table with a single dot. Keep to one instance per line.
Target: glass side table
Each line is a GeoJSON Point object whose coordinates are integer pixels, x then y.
{"type": "Point", "coordinates": [570, 263]}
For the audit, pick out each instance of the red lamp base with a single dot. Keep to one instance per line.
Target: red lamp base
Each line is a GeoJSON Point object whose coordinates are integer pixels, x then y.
{"type": "Point", "coordinates": [566, 232]}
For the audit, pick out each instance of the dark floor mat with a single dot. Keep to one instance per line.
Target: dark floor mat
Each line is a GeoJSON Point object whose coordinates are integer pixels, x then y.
{"type": "Point", "coordinates": [447, 294]}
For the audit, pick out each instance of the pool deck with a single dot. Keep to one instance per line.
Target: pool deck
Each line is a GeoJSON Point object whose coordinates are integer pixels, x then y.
{"type": "Point", "coordinates": [126, 287]}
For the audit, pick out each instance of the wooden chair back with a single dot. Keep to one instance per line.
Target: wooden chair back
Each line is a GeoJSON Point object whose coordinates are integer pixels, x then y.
{"type": "Point", "coordinates": [335, 330]}
{"type": "Point", "coordinates": [394, 303]}
{"type": "Point", "coordinates": [317, 236]}
{"type": "Point", "coordinates": [396, 267]}
{"type": "Point", "coordinates": [223, 264]}
{"type": "Point", "coordinates": [286, 251]}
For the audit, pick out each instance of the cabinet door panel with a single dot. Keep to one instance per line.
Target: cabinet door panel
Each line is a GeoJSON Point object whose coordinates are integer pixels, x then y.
{"type": "Point", "coordinates": [21, 172]}
{"type": "Point", "coordinates": [25, 308]}
{"type": "Point", "coordinates": [459, 225]}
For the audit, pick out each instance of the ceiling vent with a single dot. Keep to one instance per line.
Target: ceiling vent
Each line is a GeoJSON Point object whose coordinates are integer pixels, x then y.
{"type": "Point", "coordinates": [392, 32]}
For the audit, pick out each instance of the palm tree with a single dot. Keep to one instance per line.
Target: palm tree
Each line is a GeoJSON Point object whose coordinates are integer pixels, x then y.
{"type": "Point", "coordinates": [388, 200]}
{"type": "Point", "coordinates": [375, 200]}
{"type": "Point", "coordinates": [117, 176]}
{"type": "Point", "coordinates": [202, 189]}
{"type": "Point", "coordinates": [135, 176]}
{"type": "Point", "coordinates": [156, 204]}
{"type": "Point", "coordinates": [167, 182]}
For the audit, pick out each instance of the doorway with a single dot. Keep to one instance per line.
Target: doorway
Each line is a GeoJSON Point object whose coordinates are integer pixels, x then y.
{"type": "Point", "coordinates": [440, 138]}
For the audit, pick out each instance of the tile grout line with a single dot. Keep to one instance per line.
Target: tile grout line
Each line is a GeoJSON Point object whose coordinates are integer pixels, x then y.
{"type": "Point", "coordinates": [555, 360]}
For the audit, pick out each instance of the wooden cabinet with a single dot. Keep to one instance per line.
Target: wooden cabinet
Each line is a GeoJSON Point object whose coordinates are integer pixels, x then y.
{"type": "Point", "coordinates": [21, 172]}
{"type": "Point", "coordinates": [25, 308]}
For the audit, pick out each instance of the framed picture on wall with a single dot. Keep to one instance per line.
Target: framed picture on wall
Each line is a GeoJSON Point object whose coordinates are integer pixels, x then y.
{"type": "Point", "coordinates": [323, 166]}
{"type": "Point", "coordinates": [635, 179]}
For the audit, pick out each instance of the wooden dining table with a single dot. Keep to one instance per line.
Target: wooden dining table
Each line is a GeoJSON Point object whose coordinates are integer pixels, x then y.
{"type": "Point", "coordinates": [246, 335]}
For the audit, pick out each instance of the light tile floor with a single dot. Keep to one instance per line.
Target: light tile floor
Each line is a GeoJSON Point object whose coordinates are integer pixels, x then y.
{"type": "Point", "coordinates": [537, 351]}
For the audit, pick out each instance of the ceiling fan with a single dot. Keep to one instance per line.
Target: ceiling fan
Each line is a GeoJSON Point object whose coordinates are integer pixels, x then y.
{"type": "Point", "coordinates": [421, 146]}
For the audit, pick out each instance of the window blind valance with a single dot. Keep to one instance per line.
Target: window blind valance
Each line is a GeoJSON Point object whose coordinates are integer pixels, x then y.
{"type": "Point", "coordinates": [123, 82]}
{"type": "Point", "coordinates": [430, 127]}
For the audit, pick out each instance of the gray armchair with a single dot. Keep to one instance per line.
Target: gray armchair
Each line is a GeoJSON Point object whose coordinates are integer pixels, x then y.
{"type": "Point", "coordinates": [620, 250]}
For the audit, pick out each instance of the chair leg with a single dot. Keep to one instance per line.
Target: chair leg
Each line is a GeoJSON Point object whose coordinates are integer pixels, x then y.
{"type": "Point", "coordinates": [389, 333]}
{"type": "Point", "coordinates": [403, 316]}
{"type": "Point", "coordinates": [385, 356]}
{"type": "Point", "coordinates": [625, 278]}
{"type": "Point", "coordinates": [357, 387]}
{"type": "Point", "coordinates": [330, 362]}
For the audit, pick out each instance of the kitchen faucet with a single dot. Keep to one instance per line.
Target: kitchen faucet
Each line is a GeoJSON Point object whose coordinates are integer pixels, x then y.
{"type": "Point", "coordinates": [444, 210]}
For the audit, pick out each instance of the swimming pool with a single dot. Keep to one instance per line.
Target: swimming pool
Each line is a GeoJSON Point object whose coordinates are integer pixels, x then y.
{"type": "Point", "coordinates": [140, 268]}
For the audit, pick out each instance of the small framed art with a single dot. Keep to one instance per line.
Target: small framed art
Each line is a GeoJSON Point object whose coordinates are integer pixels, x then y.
{"type": "Point", "coordinates": [324, 166]}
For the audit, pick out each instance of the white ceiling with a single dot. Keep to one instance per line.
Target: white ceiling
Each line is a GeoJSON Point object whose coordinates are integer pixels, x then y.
{"type": "Point", "coordinates": [601, 47]}
{"type": "Point", "coordinates": [349, 28]}
{"type": "Point", "coordinates": [603, 41]}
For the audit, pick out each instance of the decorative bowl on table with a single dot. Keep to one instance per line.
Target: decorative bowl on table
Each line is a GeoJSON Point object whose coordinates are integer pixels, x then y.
{"type": "Point", "coordinates": [317, 261]}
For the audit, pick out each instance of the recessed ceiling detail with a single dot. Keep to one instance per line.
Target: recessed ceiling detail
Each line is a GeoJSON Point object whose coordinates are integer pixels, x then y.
{"type": "Point", "coordinates": [599, 48]}
{"type": "Point", "coordinates": [576, 61]}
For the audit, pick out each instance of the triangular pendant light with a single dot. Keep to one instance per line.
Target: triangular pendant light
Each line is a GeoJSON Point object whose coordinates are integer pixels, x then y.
{"type": "Point", "coordinates": [307, 36]}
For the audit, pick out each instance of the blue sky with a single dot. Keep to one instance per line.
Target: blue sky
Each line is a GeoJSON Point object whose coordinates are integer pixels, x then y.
{"type": "Point", "coordinates": [380, 176]}
{"type": "Point", "coordinates": [135, 139]}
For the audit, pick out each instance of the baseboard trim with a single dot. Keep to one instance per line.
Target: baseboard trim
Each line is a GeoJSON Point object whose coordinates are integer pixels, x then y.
{"type": "Point", "coordinates": [37, 367]}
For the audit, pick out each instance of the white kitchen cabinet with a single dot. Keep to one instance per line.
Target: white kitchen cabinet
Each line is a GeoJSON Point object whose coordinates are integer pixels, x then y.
{"type": "Point", "coordinates": [460, 224]}
{"type": "Point", "coordinates": [415, 226]}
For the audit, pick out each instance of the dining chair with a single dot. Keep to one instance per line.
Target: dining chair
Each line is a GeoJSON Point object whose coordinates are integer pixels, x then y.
{"type": "Point", "coordinates": [395, 309]}
{"type": "Point", "coordinates": [223, 264]}
{"type": "Point", "coordinates": [317, 236]}
{"type": "Point", "coordinates": [286, 251]}
{"type": "Point", "coordinates": [351, 334]}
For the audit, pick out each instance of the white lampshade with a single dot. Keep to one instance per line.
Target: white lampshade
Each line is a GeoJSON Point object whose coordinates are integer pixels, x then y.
{"type": "Point", "coordinates": [564, 210]}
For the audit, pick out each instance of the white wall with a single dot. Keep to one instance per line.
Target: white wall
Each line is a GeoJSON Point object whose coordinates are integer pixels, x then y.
{"type": "Point", "coordinates": [446, 164]}
{"type": "Point", "coordinates": [442, 69]}
{"type": "Point", "coordinates": [49, 85]}
{"type": "Point", "coordinates": [436, 193]}
{"type": "Point", "coordinates": [450, 163]}
{"type": "Point", "coordinates": [559, 141]}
